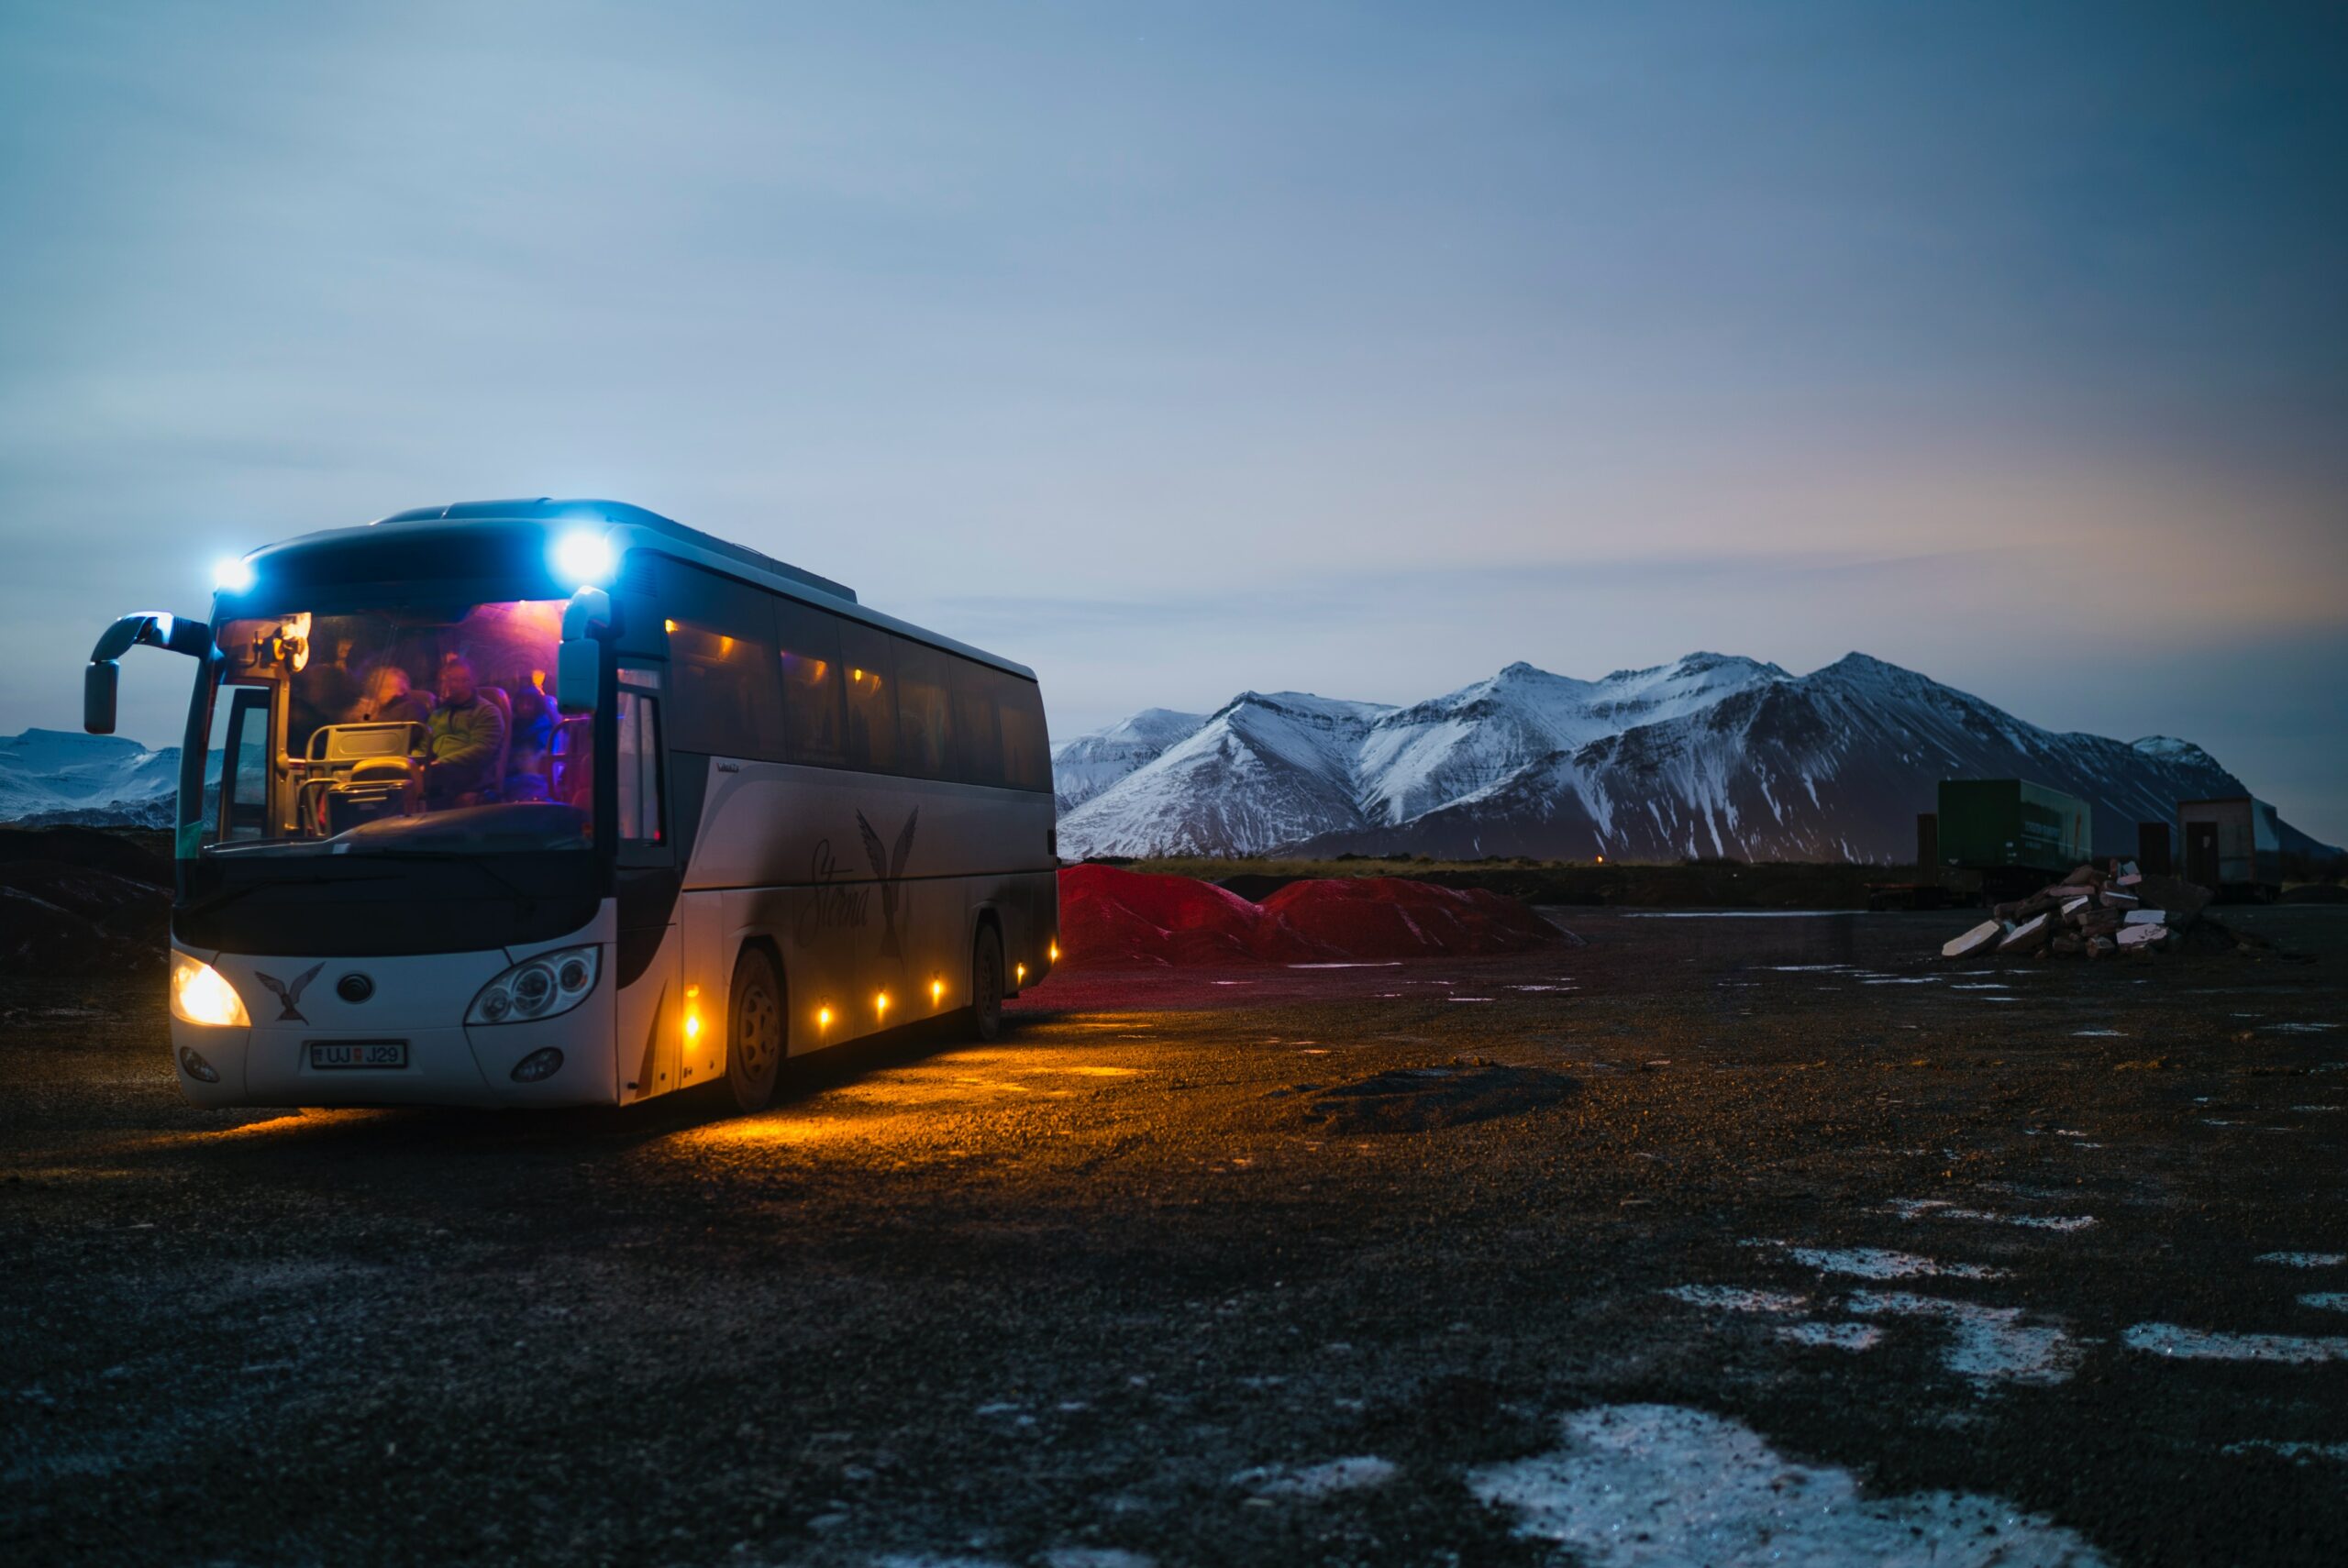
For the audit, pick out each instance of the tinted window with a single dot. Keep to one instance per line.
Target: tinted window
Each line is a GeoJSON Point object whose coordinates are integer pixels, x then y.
{"type": "Point", "coordinates": [925, 727]}
{"type": "Point", "coordinates": [872, 669]}
{"type": "Point", "coordinates": [1026, 753]}
{"type": "Point", "coordinates": [639, 722]}
{"type": "Point", "coordinates": [978, 738]}
{"type": "Point", "coordinates": [724, 677]}
{"type": "Point", "coordinates": [808, 653]}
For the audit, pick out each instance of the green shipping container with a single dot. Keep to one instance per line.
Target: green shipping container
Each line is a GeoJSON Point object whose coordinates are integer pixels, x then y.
{"type": "Point", "coordinates": [1987, 823]}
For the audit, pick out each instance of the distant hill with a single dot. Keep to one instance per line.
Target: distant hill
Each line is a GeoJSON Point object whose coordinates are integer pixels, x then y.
{"type": "Point", "coordinates": [50, 776]}
{"type": "Point", "coordinates": [1711, 754]}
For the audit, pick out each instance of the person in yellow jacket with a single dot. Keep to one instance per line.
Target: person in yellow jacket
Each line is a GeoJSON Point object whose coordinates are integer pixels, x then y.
{"type": "Point", "coordinates": [468, 737]}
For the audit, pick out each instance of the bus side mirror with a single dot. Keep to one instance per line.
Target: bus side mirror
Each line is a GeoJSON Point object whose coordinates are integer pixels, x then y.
{"type": "Point", "coordinates": [579, 662]}
{"type": "Point", "coordinates": [157, 629]}
{"type": "Point", "coordinates": [99, 682]}
{"type": "Point", "coordinates": [578, 668]}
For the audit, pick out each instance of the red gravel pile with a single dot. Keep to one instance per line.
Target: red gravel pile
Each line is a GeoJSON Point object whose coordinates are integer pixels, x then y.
{"type": "Point", "coordinates": [1115, 918]}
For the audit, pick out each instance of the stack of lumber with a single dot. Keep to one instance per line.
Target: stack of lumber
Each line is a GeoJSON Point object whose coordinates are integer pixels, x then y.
{"type": "Point", "coordinates": [2096, 911]}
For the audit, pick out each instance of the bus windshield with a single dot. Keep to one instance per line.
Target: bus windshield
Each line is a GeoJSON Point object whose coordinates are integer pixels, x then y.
{"type": "Point", "coordinates": [396, 731]}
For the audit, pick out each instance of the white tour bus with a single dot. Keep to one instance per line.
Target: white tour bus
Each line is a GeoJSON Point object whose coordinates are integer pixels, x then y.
{"type": "Point", "coordinates": [545, 803]}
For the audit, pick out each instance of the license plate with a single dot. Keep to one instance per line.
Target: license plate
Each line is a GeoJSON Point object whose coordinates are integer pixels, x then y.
{"type": "Point", "coordinates": [358, 1052]}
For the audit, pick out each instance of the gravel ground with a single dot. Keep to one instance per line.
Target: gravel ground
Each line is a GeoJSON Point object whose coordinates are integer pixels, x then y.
{"type": "Point", "coordinates": [1828, 1250]}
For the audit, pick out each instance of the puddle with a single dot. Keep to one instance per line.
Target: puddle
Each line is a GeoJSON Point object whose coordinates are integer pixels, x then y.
{"type": "Point", "coordinates": [2194, 1345]}
{"type": "Point", "coordinates": [1661, 1486]}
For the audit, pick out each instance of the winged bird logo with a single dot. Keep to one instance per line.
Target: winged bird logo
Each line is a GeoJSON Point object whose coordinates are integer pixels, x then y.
{"type": "Point", "coordinates": [289, 995]}
{"type": "Point", "coordinates": [889, 867]}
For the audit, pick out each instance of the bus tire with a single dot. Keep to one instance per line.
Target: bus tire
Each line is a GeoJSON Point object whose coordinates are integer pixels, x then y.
{"type": "Point", "coordinates": [756, 1038]}
{"type": "Point", "coordinates": [986, 984]}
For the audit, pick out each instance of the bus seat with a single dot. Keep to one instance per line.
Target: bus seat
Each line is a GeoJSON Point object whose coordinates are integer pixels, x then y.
{"type": "Point", "coordinates": [335, 752]}
{"type": "Point", "coordinates": [374, 788]}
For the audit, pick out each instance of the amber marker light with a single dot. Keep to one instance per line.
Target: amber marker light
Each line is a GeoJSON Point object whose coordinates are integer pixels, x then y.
{"type": "Point", "coordinates": [880, 1003]}
{"type": "Point", "coordinates": [669, 626]}
{"type": "Point", "coordinates": [937, 992]}
{"type": "Point", "coordinates": [1019, 971]}
{"type": "Point", "coordinates": [1053, 952]}
{"type": "Point", "coordinates": [823, 1018]}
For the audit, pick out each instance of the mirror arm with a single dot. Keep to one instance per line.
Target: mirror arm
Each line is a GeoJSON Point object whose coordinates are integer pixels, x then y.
{"type": "Point", "coordinates": [154, 628]}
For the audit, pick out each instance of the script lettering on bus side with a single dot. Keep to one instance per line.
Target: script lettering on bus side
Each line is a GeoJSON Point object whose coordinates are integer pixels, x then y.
{"type": "Point", "coordinates": [829, 904]}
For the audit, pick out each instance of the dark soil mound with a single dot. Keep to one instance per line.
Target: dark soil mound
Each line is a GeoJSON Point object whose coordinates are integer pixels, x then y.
{"type": "Point", "coordinates": [75, 901]}
{"type": "Point", "coordinates": [1413, 1100]}
{"type": "Point", "coordinates": [85, 846]}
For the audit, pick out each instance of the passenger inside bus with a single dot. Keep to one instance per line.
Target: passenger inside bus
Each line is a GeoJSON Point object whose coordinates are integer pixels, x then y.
{"type": "Point", "coordinates": [394, 715]}
{"type": "Point", "coordinates": [465, 748]}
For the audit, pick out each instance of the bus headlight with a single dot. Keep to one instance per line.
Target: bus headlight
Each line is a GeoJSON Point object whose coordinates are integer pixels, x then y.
{"type": "Point", "coordinates": [201, 995]}
{"type": "Point", "coordinates": [537, 987]}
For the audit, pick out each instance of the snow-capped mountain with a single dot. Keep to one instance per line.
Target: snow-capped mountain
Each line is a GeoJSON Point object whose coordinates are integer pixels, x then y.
{"type": "Point", "coordinates": [59, 776]}
{"type": "Point", "coordinates": [1709, 754]}
{"type": "Point", "coordinates": [1084, 766]}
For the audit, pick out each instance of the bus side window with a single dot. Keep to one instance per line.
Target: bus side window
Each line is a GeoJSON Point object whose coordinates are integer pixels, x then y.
{"type": "Point", "coordinates": [727, 684]}
{"type": "Point", "coordinates": [638, 720]}
{"type": "Point", "coordinates": [924, 729]}
{"type": "Point", "coordinates": [1026, 753]}
{"type": "Point", "coordinates": [808, 647]}
{"type": "Point", "coordinates": [245, 765]}
{"type": "Point", "coordinates": [871, 698]}
{"type": "Point", "coordinates": [978, 738]}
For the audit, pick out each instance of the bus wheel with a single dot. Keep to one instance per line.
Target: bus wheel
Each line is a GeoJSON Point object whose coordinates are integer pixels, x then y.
{"type": "Point", "coordinates": [754, 1035]}
{"type": "Point", "coordinates": [986, 984]}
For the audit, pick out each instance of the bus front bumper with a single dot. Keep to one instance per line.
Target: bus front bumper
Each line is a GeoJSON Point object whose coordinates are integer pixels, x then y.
{"type": "Point", "coordinates": [405, 1054]}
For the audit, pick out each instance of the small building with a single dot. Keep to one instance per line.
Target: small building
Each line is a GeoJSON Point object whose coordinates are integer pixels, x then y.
{"type": "Point", "coordinates": [1995, 824]}
{"type": "Point", "coordinates": [2232, 846]}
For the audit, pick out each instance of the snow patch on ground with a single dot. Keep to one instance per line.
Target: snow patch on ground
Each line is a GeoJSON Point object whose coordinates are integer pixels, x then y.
{"type": "Point", "coordinates": [1834, 1336]}
{"type": "Point", "coordinates": [1941, 1208]}
{"type": "Point", "coordinates": [2194, 1344]}
{"type": "Point", "coordinates": [1729, 1298]}
{"type": "Point", "coordinates": [1986, 1344]}
{"type": "Point", "coordinates": [1350, 1474]}
{"type": "Point", "coordinates": [2302, 1452]}
{"type": "Point", "coordinates": [1880, 1262]}
{"type": "Point", "coordinates": [1660, 1486]}
{"type": "Point", "coordinates": [2326, 1300]}
{"type": "Point", "coordinates": [2303, 1260]}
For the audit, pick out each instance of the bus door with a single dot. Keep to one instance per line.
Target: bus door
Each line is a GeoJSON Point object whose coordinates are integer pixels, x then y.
{"type": "Point", "coordinates": [651, 1006]}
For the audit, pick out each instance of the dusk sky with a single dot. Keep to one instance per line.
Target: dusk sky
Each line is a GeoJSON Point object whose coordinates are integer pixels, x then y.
{"type": "Point", "coordinates": [1181, 349]}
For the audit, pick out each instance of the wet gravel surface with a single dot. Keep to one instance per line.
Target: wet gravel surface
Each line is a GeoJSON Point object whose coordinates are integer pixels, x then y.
{"type": "Point", "coordinates": [2052, 1236]}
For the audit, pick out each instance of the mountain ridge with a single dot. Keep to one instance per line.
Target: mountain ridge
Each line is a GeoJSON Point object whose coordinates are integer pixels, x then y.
{"type": "Point", "coordinates": [1711, 754]}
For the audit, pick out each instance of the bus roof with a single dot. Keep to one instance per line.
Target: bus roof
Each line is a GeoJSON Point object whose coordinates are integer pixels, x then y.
{"type": "Point", "coordinates": [631, 528]}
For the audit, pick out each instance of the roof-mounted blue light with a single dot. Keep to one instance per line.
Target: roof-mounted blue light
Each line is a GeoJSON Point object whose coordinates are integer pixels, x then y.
{"type": "Point", "coordinates": [232, 575]}
{"type": "Point", "coordinates": [583, 557]}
